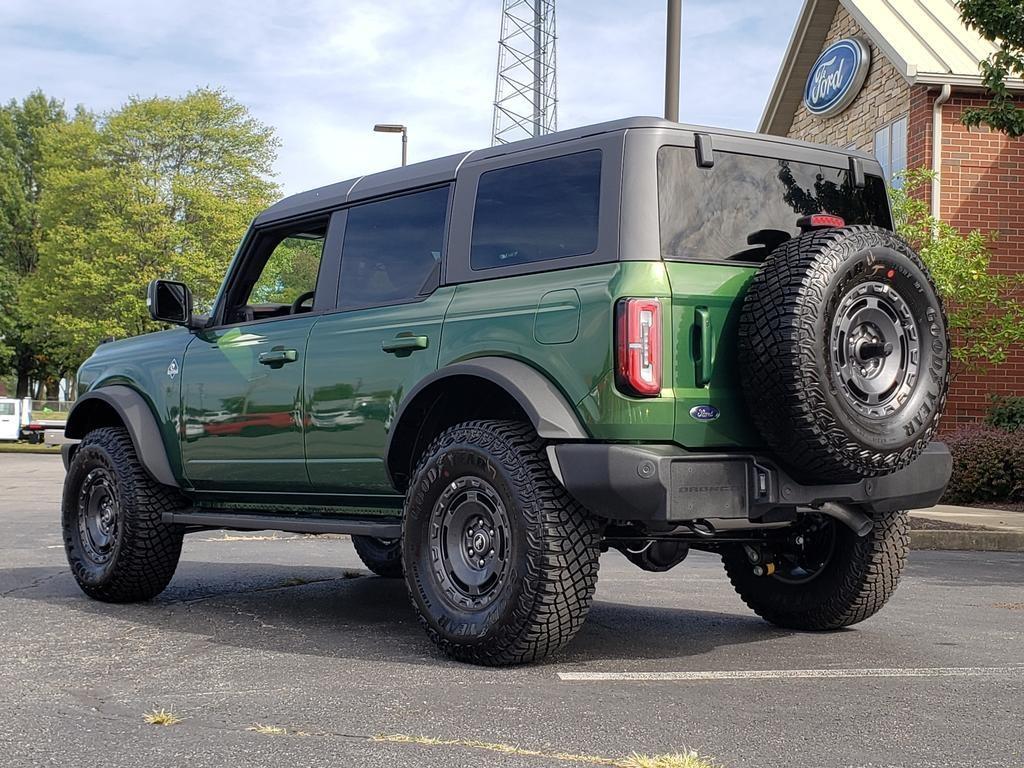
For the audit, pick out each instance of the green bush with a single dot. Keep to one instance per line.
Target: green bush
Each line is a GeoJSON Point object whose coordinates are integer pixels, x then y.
{"type": "Point", "coordinates": [988, 465]}
{"type": "Point", "coordinates": [1006, 413]}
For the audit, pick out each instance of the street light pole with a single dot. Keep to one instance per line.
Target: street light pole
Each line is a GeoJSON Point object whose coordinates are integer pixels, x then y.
{"type": "Point", "coordinates": [395, 128]}
{"type": "Point", "coordinates": [672, 33]}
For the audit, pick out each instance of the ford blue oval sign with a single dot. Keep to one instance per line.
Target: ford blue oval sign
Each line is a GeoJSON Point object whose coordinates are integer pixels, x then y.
{"type": "Point", "coordinates": [837, 77]}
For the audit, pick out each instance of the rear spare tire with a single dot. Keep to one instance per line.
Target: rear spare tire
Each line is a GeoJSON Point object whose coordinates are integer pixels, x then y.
{"type": "Point", "coordinates": [845, 354]}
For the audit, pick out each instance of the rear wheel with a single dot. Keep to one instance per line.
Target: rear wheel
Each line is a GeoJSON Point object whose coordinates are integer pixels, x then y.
{"type": "Point", "coordinates": [822, 575]}
{"type": "Point", "coordinates": [501, 563]}
{"type": "Point", "coordinates": [117, 544]}
{"type": "Point", "coordinates": [382, 556]}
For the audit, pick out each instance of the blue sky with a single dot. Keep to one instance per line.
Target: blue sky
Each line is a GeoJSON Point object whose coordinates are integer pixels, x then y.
{"type": "Point", "coordinates": [322, 72]}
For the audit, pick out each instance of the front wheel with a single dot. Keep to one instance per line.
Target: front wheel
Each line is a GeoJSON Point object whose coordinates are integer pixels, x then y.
{"type": "Point", "coordinates": [822, 575]}
{"type": "Point", "coordinates": [118, 546]}
{"type": "Point", "coordinates": [501, 563]}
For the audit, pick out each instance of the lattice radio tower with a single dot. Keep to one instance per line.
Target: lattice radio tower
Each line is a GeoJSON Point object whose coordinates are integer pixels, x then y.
{"type": "Point", "coordinates": [525, 92]}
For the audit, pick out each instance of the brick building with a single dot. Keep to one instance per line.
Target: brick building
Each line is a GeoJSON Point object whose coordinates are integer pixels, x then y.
{"type": "Point", "coordinates": [922, 71]}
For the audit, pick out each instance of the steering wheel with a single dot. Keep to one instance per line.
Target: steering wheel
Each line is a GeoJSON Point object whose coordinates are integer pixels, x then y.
{"type": "Point", "coordinates": [301, 299]}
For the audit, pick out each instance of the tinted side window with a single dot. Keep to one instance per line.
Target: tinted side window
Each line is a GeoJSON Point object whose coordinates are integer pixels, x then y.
{"type": "Point", "coordinates": [537, 211]}
{"type": "Point", "coordinates": [392, 249]}
{"type": "Point", "coordinates": [745, 206]}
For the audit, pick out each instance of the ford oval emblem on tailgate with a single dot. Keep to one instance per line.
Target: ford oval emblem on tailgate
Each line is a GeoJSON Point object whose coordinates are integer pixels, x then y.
{"type": "Point", "coordinates": [704, 412]}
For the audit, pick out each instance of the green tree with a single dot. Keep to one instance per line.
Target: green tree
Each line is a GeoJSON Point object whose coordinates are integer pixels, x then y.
{"type": "Point", "coordinates": [986, 311]}
{"type": "Point", "coordinates": [1000, 22]}
{"type": "Point", "coordinates": [159, 188]}
{"type": "Point", "coordinates": [23, 130]}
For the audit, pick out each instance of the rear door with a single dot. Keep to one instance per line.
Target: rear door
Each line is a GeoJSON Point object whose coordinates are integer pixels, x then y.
{"type": "Point", "coordinates": [242, 389]}
{"type": "Point", "coordinates": [381, 339]}
{"type": "Point", "coordinates": [718, 224]}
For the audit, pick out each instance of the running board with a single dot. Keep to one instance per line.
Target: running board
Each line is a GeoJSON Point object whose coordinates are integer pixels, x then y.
{"type": "Point", "coordinates": [381, 528]}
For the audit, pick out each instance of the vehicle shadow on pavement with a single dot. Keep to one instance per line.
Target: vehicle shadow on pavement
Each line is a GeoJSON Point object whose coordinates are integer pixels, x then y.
{"type": "Point", "coordinates": [348, 613]}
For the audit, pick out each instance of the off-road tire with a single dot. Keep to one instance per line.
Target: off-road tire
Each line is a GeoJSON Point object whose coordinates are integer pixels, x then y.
{"type": "Point", "coordinates": [382, 556]}
{"type": "Point", "coordinates": [854, 585]}
{"type": "Point", "coordinates": [143, 551]}
{"type": "Point", "coordinates": [553, 546]}
{"type": "Point", "coordinates": [803, 407]}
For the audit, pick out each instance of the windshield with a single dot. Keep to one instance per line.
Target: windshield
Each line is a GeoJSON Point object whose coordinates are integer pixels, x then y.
{"type": "Point", "coordinates": [744, 206]}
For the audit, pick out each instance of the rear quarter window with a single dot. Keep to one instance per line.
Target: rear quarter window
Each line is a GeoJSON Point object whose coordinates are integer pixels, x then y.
{"type": "Point", "coordinates": [537, 211]}
{"type": "Point", "coordinates": [744, 206]}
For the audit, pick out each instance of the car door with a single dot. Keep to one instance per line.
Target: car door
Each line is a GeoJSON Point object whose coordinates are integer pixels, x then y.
{"type": "Point", "coordinates": [242, 378]}
{"type": "Point", "coordinates": [382, 339]}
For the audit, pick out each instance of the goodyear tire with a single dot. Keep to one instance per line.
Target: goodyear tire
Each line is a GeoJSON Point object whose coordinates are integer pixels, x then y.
{"type": "Point", "coordinates": [501, 563]}
{"type": "Point", "coordinates": [382, 556]}
{"type": "Point", "coordinates": [845, 352]}
{"type": "Point", "coordinates": [117, 545]}
{"type": "Point", "coordinates": [833, 579]}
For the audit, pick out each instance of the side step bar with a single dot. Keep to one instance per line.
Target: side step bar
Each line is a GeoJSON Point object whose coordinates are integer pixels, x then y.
{"type": "Point", "coordinates": [381, 528]}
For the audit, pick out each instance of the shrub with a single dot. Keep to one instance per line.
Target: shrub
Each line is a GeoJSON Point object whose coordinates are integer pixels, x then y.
{"type": "Point", "coordinates": [988, 465]}
{"type": "Point", "coordinates": [1006, 413]}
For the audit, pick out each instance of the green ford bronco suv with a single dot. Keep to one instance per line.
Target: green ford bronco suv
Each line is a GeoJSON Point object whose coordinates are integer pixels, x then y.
{"type": "Point", "coordinates": [492, 367]}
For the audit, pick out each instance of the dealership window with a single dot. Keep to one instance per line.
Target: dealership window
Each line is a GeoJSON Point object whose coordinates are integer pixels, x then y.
{"type": "Point", "coordinates": [891, 149]}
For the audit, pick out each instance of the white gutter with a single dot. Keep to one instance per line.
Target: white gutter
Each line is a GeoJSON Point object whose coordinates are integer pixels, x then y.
{"type": "Point", "coordinates": [943, 97]}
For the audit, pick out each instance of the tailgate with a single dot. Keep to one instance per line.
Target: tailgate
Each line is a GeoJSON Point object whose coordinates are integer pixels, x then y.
{"type": "Point", "coordinates": [706, 302]}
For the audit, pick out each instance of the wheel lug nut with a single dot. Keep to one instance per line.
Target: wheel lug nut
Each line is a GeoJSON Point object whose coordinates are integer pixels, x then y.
{"type": "Point", "coordinates": [481, 563]}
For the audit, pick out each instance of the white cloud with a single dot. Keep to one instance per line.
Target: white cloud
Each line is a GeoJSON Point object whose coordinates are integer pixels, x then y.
{"type": "Point", "coordinates": [322, 71]}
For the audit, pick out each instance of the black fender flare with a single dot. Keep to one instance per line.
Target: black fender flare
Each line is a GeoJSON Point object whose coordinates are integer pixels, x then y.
{"type": "Point", "coordinates": [543, 403]}
{"type": "Point", "coordinates": [136, 415]}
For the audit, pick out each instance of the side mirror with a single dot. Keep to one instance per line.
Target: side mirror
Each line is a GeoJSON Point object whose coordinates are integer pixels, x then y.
{"type": "Point", "coordinates": [169, 302]}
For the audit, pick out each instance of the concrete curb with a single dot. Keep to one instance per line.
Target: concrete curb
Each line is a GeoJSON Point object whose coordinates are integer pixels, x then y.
{"type": "Point", "coordinates": [970, 541]}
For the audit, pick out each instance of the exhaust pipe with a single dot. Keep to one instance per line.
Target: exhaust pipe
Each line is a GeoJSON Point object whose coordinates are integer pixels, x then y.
{"type": "Point", "coordinates": [849, 516]}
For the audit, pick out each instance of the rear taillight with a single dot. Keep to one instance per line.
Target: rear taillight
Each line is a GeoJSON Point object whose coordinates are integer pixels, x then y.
{"type": "Point", "coordinates": [638, 347]}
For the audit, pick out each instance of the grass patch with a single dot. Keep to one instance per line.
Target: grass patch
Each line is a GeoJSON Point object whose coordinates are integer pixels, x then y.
{"type": "Point", "coordinates": [161, 717]}
{"type": "Point", "coordinates": [678, 760]}
{"type": "Point", "coordinates": [6, 447]}
{"type": "Point", "coordinates": [268, 730]}
{"type": "Point", "coordinates": [49, 415]}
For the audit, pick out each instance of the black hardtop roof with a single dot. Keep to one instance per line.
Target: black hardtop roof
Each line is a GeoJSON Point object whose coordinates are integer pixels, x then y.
{"type": "Point", "coordinates": [444, 169]}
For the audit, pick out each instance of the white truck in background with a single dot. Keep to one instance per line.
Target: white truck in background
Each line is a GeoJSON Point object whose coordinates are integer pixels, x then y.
{"type": "Point", "coordinates": [15, 415]}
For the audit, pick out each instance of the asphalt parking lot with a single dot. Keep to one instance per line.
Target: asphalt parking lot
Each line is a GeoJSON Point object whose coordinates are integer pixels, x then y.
{"type": "Point", "coordinates": [292, 632]}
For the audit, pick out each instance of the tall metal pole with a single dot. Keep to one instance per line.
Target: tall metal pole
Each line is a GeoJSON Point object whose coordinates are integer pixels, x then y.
{"type": "Point", "coordinates": [538, 75]}
{"type": "Point", "coordinates": [405, 145]}
{"type": "Point", "coordinates": [673, 29]}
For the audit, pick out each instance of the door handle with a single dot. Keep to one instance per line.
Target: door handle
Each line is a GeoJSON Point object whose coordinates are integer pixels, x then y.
{"type": "Point", "coordinates": [404, 345]}
{"type": "Point", "coordinates": [276, 358]}
{"type": "Point", "coordinates": [704, 346]}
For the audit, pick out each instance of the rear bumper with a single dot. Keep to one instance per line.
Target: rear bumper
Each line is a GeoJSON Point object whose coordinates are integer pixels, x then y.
{"type": "Point", "coordinates": [666, 484]}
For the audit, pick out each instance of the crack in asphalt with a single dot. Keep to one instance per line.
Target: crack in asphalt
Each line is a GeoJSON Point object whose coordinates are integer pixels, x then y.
{"type": "Point", "coordinates": [346, 576]}
{"type": "Point", "coordinates": [33, 584]}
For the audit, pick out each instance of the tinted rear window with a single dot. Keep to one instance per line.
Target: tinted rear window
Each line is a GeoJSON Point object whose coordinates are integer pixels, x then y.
{"type": "Point", "coordinates": [744, 206]}
{"type": "Point", "coordinates": [537, 211]}
{"type": "Point", "coordinates": [392, 249]}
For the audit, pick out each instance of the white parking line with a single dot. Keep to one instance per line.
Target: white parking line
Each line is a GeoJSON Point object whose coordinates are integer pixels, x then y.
{"type": "Point", "coordinates": [789, 674]}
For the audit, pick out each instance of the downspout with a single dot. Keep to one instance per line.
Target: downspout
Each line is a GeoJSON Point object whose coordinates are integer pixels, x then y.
{"type": "Point", "coordinates": [942, 98]}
